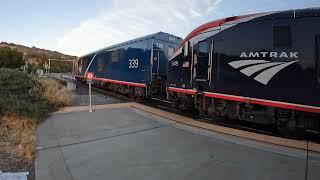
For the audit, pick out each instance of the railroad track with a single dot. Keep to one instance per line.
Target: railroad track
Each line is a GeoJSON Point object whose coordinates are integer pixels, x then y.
{"type": "Point", "coordinates": [313, 136]}
{"type": "Point", "coordinates": [231, 124]}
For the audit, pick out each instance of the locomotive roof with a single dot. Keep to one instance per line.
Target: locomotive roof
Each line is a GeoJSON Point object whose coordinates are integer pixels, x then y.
{"type": "Point", "coordinates": [159, 35]}
{"type": "Point", "coordinates": [297, 13]}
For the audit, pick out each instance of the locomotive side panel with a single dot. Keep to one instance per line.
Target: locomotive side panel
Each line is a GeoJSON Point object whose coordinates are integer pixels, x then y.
{"type": "Point", "coordinates": [127, 63]}
{"type": "Point", "coordinates": [136, 67]}
{"type": "Point", "coordinates": [162, 51]}
{"type": "Point", "coordinates": [179, 71]}
{"type": "Point", "coordinates": [248, 63]}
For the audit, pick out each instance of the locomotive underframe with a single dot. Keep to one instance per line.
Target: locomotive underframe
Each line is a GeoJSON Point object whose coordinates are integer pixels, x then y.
{"type": "Point", "coordinates": [156, 89]}
{"type": "Point", "coordinates": [287, 121]}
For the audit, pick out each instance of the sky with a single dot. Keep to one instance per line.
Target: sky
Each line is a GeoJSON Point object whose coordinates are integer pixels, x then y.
{"type": "Point", "coordinates": [76, 27]}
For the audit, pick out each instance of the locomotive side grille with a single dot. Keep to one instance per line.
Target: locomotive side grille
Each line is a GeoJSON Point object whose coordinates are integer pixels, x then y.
{"type": "Point", "coordinates": [284, 115]}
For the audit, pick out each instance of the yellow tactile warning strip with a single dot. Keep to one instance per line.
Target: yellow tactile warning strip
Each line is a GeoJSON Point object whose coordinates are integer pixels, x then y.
{"type": "Point", "coordinates": [189, 121]}
{"type": "Point", "coordinates": [95, 107]}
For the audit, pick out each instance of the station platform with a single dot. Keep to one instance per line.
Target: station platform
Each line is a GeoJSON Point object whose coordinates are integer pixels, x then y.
{"type": "Point", "coordinates": [123, 142]}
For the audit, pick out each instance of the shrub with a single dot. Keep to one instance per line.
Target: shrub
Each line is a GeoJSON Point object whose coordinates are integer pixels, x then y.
{"type": "Point", "coordinates": [61, 67]}
{"type": "Point", "coordinates": [24, 100]}
{"type": "Point", "coordinates": [29, 96]}
{"type": "Point", "coordinates": [55, 93]}
{"type": "Point", "coordinates": [32, 68]}
{"type": "Point", "coordinates": [10, 58]}
{"type": "Point", "coordinates": [21, 94]}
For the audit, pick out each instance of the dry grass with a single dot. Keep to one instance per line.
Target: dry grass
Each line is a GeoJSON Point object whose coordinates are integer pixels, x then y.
{"type": "Point", "coordinates": [55, 93]}
{"type": "Point", "coordinates": [19, 115]}
{"type": "Point", "coordinates": [25, 100]}
{"type": "Point", "coordinates": [17, 136]}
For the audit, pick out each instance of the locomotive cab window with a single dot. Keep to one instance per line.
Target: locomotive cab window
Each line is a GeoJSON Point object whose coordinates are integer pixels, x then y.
{"type": "Point", "coordinates": [203, 50]}
{"type": "Point", "coordinates": [170, 51]}
{"type": "Point", "coordinates": [115, 56]}
{"type": "Point", "coordinates": [282, 36]}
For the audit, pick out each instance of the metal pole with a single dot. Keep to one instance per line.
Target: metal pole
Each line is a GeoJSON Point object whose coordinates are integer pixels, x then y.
{"type": "Point", "coordinates": [90, 104]}
{"type": "Point", "coordinates": [73, 68]}
{"type": "Point", "coordinates": [310, 134]}
{"type": "Point", "coordinates": [49, 68]}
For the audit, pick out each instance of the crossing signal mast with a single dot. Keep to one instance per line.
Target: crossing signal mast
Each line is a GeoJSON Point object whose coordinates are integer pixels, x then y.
{"type": "Point", "coordinates": [90, 76]}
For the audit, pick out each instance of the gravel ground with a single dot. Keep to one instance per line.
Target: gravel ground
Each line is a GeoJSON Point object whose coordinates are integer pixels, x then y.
{"type": "Point", "coordinates": [9, 163]}
{"type": "Point", "coordinates": [15, 164]}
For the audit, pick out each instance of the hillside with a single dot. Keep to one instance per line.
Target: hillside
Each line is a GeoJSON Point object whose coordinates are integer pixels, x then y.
{"type": "Point", "coordinates": [31, 52]}
{"type": "Point", "coordinates": [37, 56]}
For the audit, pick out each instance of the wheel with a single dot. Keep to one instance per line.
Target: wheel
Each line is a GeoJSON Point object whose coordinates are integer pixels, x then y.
{"type": "Point", "coordinates": [288, 130]}
{"type": "Point", "coordinates": [291, 134]}
{"type": "Point", "coordinates": [174, 103]}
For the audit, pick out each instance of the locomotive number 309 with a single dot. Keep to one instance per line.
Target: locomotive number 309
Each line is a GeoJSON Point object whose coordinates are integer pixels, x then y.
{"type": "Point", "coordinates": [133, 63]}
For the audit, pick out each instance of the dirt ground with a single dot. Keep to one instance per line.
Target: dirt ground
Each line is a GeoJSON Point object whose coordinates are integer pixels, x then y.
{"type": "Point", "coordinates": [11, 163]}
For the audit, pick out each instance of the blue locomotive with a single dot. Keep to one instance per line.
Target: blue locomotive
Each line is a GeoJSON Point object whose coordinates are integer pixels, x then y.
{"type": "Point", "coordinates": [135, 68]}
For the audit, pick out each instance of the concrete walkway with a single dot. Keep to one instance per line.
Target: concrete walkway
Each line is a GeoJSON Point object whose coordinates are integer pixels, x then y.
{"type": "Point", "coordinates": [127, 143]}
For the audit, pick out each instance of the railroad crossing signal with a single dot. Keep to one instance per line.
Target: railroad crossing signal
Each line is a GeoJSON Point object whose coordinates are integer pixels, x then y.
{"type": "Point", "coordinates": [90, 76]}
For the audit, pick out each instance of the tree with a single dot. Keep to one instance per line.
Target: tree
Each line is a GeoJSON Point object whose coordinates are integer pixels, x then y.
{"type": "Point", "coordinates": [10, 58]}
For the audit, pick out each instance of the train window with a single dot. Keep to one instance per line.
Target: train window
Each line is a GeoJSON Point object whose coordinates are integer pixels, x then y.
{"type": "Point", "coordinates": [186, 49]}
{"type": "Point", "coordinates": [115, 56]}
{"type": "Point", "coordinates": [282, 36]}
{"type": "Point", "coordinates": [100, 64]}
{"type": "Point", "coordinates": [203, 49]}
{"type": "Point", "coordinates": [170, 51]}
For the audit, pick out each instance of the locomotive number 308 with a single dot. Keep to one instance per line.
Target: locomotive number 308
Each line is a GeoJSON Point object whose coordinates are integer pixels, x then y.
{"type": "Point", "coordinates": [133, 63]}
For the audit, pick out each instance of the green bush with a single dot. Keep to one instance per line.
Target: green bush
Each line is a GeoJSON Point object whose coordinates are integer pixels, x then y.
{"type": "Point", "coordinates": [61, 67]}
{"type": "Point", "coordinates": [10, 58]}
{"type": "Point", "coordinates": [21, 94]}
{"type": "Point", "coordinates": [32, 68]}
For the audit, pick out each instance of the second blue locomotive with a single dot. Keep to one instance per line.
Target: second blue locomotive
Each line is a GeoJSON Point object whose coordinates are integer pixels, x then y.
{"type": "Point", "coordinates": [135, 68]}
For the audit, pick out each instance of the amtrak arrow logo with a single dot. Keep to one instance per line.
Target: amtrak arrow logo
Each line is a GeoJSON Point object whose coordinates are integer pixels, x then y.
{"type": "Point", "coordinates": [253, 66]}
